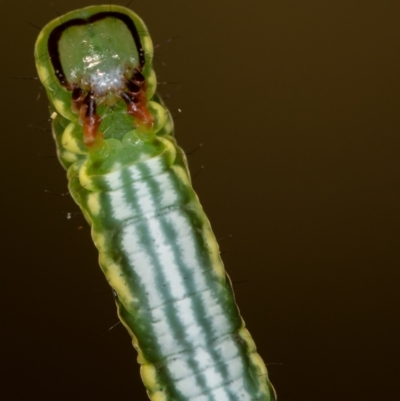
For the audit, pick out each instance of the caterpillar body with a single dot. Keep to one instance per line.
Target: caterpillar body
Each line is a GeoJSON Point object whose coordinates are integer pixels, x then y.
{"type": "Point", "coordinates": [114, 136]}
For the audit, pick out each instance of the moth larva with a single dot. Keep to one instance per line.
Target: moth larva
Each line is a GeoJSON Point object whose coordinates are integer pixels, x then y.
{"type": "Point", "coordinates": [157, 250]}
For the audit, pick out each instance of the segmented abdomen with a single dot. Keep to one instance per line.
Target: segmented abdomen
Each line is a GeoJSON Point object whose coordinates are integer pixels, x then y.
{"type": "Point", "coordinates": [160, 256]}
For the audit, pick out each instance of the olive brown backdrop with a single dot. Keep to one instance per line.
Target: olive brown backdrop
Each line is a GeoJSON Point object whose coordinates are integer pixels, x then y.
{"type": "Point", "coordinates": [297, 106]}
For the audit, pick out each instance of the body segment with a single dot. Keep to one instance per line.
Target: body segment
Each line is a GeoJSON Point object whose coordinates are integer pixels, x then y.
{"type": "Point", "coordinates": [156, 247]}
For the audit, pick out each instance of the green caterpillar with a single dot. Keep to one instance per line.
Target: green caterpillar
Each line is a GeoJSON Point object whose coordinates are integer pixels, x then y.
{"type": "Point", "coordinates": [115, 138]}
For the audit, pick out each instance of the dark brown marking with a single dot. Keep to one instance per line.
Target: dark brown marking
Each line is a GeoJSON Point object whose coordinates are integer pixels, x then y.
{"type": "Point", "coordinates": [78, 96]}
{"type": "Point", "coordinates": [138, 78]}
{"type": "Point", "coordinates": [137, 108]}
{"type": "Point", "coordinates": [91, 121]}
{"type": "Point", "coordinates": [133, 88]}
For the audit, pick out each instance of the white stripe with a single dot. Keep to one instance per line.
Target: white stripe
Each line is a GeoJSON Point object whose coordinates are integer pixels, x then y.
{"type": "Point", "coordinates": [166, 258]}
{"type": "Point", "coordinates": [113, 179]}
{"type": "Point", "coordinates": [121, 209]}
{"type": "Point", "coordinates": [178, 368]}
{"type": "Point", "coordinates": [220, 394]}
{"type": "Point", "coordinates": [213, 377]}
{"type": "Point", "coordinates": [227, 349]}
{"type": "Point", "coordinates": [141, 263]}
{"type": "Point", "coordinates": [144, 197]}
{"type": "Point", "coordinates": [203, 358]}
{"type": "Point", "coordinates": [188, 387]}
{"type": "Point", "coordinates": [235, 367]}
{"type": "Point", "coordinates": [185, 242]}
{"type": "Point", "coordinates": [168, 193]}
{"type": "Point", "coordinates": [153, 167]}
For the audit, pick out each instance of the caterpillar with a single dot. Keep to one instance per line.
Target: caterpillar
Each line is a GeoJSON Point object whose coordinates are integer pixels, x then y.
{"type": "Point", "coordinates": [115, 138]}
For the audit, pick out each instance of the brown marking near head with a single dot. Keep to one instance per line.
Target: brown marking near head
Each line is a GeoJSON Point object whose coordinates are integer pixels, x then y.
{"type": "Point", "coordinates": [92, 137]}
{"type": "Point", "coordinates": [134, 95]}
{"type": "Point", "coordinates": [78, 97]}
{"type": "Point", "coordinates": [136, 101]}
{"type": "Point", "coordinates": [137, 108]}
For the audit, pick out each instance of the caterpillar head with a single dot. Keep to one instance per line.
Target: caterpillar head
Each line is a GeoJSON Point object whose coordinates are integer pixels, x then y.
{"type": "Point", "coordinates": [97, 56]}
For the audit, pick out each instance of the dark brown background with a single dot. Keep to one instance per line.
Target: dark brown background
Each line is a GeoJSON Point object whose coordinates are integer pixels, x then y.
{"type": "Point", "coordinates": [297, 105]}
